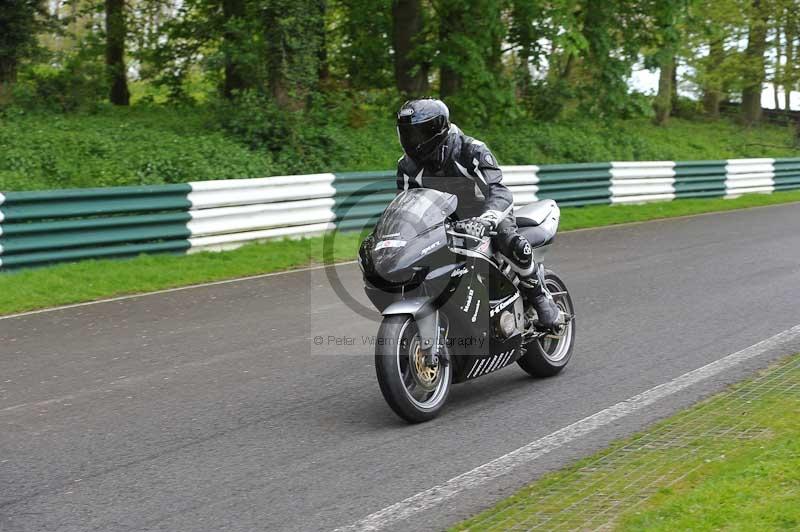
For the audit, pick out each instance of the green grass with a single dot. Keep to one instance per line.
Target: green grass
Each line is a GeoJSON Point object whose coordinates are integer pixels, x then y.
{"type": "Point", "coordinates": [585, 217]}
{"type": "Point", "coordinates": [756, 488]}
{"type": "Point", "coordinates": [63, 284]}
{"type": "Point", "coordinates": [729, 463]}
{"type": "Point", "coordinates": [96, 279]}
{"type": "Point", "coordinates": [155, 144]}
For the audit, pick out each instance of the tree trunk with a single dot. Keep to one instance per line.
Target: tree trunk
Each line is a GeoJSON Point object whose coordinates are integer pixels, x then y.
{"type": "Point", "coordinates": [674, 88]}
{"type": "Point", "coordinates": [233, 12]}
{"type": "Point", "coordinates": [569, 66]}
{"type": "Point", "coordinates": [276, 57]}
{"type": "Point", "coordinates": [8, 77]}
{"type": "Point", "coordinates": [450, 79]}
{"type": "Point", "coordinates": [663, 102]}
{"type": "Point", "coordinates": [754, 57]}
{"type": "Point", "coordinates": [115, 52]}
{"type": "Point", "coordinates": [712, 91]}
{"type": "Point", "coordinates": [323, 70]}
{"type": "Point", "coordinates": [788, 69]}
{"type": "Point", "coordinates": [495, 59]}
{"type": "Point", "coordinates": [776, 78]}
{"type": "Point", "coordinates": [411, 75]}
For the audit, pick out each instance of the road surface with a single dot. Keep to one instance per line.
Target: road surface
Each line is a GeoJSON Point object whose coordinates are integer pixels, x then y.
{"type": "Point", "coordinates": [213, 409]}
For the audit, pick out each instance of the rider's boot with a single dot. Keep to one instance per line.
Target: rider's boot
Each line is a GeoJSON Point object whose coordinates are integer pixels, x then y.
{"type": "Point", "coordinates": [532, 282]}
{"type": "Point", "coordinates": [536, 294]}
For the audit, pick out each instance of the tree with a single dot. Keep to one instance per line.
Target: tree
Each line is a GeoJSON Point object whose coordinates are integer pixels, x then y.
{"type": "Point", "coordinates": [716, 27]}
{"type": "Point", "coordinates": [290, 30]}
{"type": "Point", "coordinates": [667, 36]}
{"type": "Point", "coordinates": [789, 28]}
{"type": "Point", "coordinates": [454, 46]}
{"type": "Point", "coordinates": [18, 27]}
{"type": "Point", "coordinates": [411, 74]}
{"type": "Point", "coordinates": [753, 75]}
{"type": "Point", "coordinates": [529, 23]}
{"type": "Point", "coordinates": [323, 68]}
{"type": "Point", "coordinates": [365, 36]}
{"type": "Point", "coordinates": [609, 38]}
{"type": "Point", "coordinates": [234, 38]}
{"type": "Point", "coordinates": [115, 52]}
{"type": "Point", "coordinates": [664, 99]}
{"type": "Point", "coordinates": [469, 56]}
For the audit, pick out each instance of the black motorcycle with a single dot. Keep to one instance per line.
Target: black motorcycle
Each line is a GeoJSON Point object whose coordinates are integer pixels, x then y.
{"type": "Point", "coordinates": [451, 308]}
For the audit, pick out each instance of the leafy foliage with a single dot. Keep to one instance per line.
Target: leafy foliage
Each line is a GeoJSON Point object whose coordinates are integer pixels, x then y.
{"type": "Point", "coordinates": [293, 86]}
{"type": "Point", "coordinates": [155, 145]}
{"type": "Point", "coordinates": [110, 147]}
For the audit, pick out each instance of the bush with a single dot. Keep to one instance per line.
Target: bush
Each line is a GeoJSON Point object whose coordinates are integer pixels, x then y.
{"type": "Point", "coordinates": [72, 87]}
{"type": "Point", "coordinates": [342, 132]}
{"type": "Point", "coordinates": [136, 146]}
{"type": "Point", "coordinates": [332, 132]}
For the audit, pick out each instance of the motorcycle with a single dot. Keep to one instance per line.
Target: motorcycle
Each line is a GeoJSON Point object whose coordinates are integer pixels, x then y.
{"type": "Point", "coordinates": [452, 310]}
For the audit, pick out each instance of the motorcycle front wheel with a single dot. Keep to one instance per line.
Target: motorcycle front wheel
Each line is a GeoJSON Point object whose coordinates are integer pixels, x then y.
{"type": "Point", "coordinates": [415, 391]}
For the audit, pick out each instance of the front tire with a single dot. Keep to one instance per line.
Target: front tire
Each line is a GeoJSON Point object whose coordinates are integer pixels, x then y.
{"type": "Point", "coordinates": [414, 391]}
{"type": "Point", "coordinates": [548, 356]}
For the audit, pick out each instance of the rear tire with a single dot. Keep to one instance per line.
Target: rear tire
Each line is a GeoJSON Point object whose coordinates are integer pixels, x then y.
{"type": "Point", "coordinates": [414, 395]}
{"type": "Point", "coordinates": [546, 357]}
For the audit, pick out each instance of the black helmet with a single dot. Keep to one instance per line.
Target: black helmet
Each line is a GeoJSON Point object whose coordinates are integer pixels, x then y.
{"type": "Point", "coordinates": [422, 126]}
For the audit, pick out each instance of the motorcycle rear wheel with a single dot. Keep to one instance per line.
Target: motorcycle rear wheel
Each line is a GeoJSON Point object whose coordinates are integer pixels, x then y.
{"type": "Point", "coordinates": [414, 391]}
{"type": "Point", "coordinates": [548, 356]}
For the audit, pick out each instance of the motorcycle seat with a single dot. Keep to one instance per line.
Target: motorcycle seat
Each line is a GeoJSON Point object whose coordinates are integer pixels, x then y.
{"type": "Point", "coordinates": [534, 214]}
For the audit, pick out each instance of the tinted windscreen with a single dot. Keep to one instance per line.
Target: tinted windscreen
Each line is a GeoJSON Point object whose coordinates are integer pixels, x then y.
{"type": "Point", "coordinates": [414, 211]}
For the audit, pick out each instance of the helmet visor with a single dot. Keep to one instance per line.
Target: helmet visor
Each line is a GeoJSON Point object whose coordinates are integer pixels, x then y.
{"type": "Point", "coordinates": [415, 137]}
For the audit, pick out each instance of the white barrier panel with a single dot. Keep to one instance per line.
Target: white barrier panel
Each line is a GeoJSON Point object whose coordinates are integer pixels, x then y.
{"type": "Point", "coordinates": [520, 175]}
{"type": "Point", "coordinates": [262, 216]}
{"type": "Point", "coordinates": [638, 182]}
{"type": "Point", "coordinates": [234, 192]}
{"type": "Point", "coordinates": [235, 240]}
{"type": "Point", "coordinates": [524, 194]}
{"type": "Point", "coordinates": [522, 181]}
{"type": "Point", "coordinates": [749, 175]}
{"type": "Point", "coordinates": [227, 214]}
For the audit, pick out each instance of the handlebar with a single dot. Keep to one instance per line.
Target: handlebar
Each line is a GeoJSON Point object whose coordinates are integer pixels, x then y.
{"type": "Point", "coordinates": [464, 235]}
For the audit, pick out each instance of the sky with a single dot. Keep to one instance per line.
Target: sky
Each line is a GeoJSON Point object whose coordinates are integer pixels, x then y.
{"type": "Point", "coordinates": [645, 81]}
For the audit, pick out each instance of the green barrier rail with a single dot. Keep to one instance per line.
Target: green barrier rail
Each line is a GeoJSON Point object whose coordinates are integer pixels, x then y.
{"type": "Point", "coordinates": [41, 227]}
{"type": "Point", "coordinates": [787, 174]}
{"type": "Point", "coordinates": [575, 184]}
{"type": "Point", "coordinates": [26, 206]}
{"type": "Point", "coordinates": [700, 179]}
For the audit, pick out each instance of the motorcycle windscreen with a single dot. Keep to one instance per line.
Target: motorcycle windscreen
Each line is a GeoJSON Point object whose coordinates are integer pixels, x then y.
{"type": "Point", "coordinates": [410, 228]}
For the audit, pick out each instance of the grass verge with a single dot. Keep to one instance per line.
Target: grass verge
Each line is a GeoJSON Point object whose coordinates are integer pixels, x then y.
{"type": "Point", "coordinates": [90, 280]}
{"type": "Point", "coordinates": [730, 463]}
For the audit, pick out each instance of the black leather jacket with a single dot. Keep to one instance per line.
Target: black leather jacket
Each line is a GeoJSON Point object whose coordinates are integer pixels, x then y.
{"type": "Point", "coordinates": [467, 169]}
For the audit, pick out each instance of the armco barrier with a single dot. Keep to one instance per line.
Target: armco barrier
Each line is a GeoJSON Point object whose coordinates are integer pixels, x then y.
{"type": "Point", "coordinates": [700, 179]}
{"type": "Point", "coordinates": [64, 225]}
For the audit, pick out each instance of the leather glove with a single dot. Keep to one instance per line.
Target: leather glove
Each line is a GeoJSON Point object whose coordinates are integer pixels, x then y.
{"type": "Point", "coordinates": [472, 226]}
{"type": "Point", "coordinates": [491, 219]}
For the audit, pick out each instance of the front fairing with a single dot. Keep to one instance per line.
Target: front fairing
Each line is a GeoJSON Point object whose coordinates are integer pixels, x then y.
{"type": "Point", "coordinates": [410, 233]}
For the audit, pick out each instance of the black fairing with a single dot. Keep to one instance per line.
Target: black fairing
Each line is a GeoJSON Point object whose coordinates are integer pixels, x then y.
{"type": "Point", "coordinates": [410, 255]}
{"type": "Point", "coordinates": [407, 238]}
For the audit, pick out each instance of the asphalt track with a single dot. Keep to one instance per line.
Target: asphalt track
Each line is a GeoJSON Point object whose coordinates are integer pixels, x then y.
{"type": "Point", "coordinates": [213, 409]}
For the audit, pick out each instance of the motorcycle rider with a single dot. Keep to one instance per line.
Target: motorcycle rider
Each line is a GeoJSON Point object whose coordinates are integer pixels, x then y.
{"type": "Point", "coordinates": [439, 156]}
